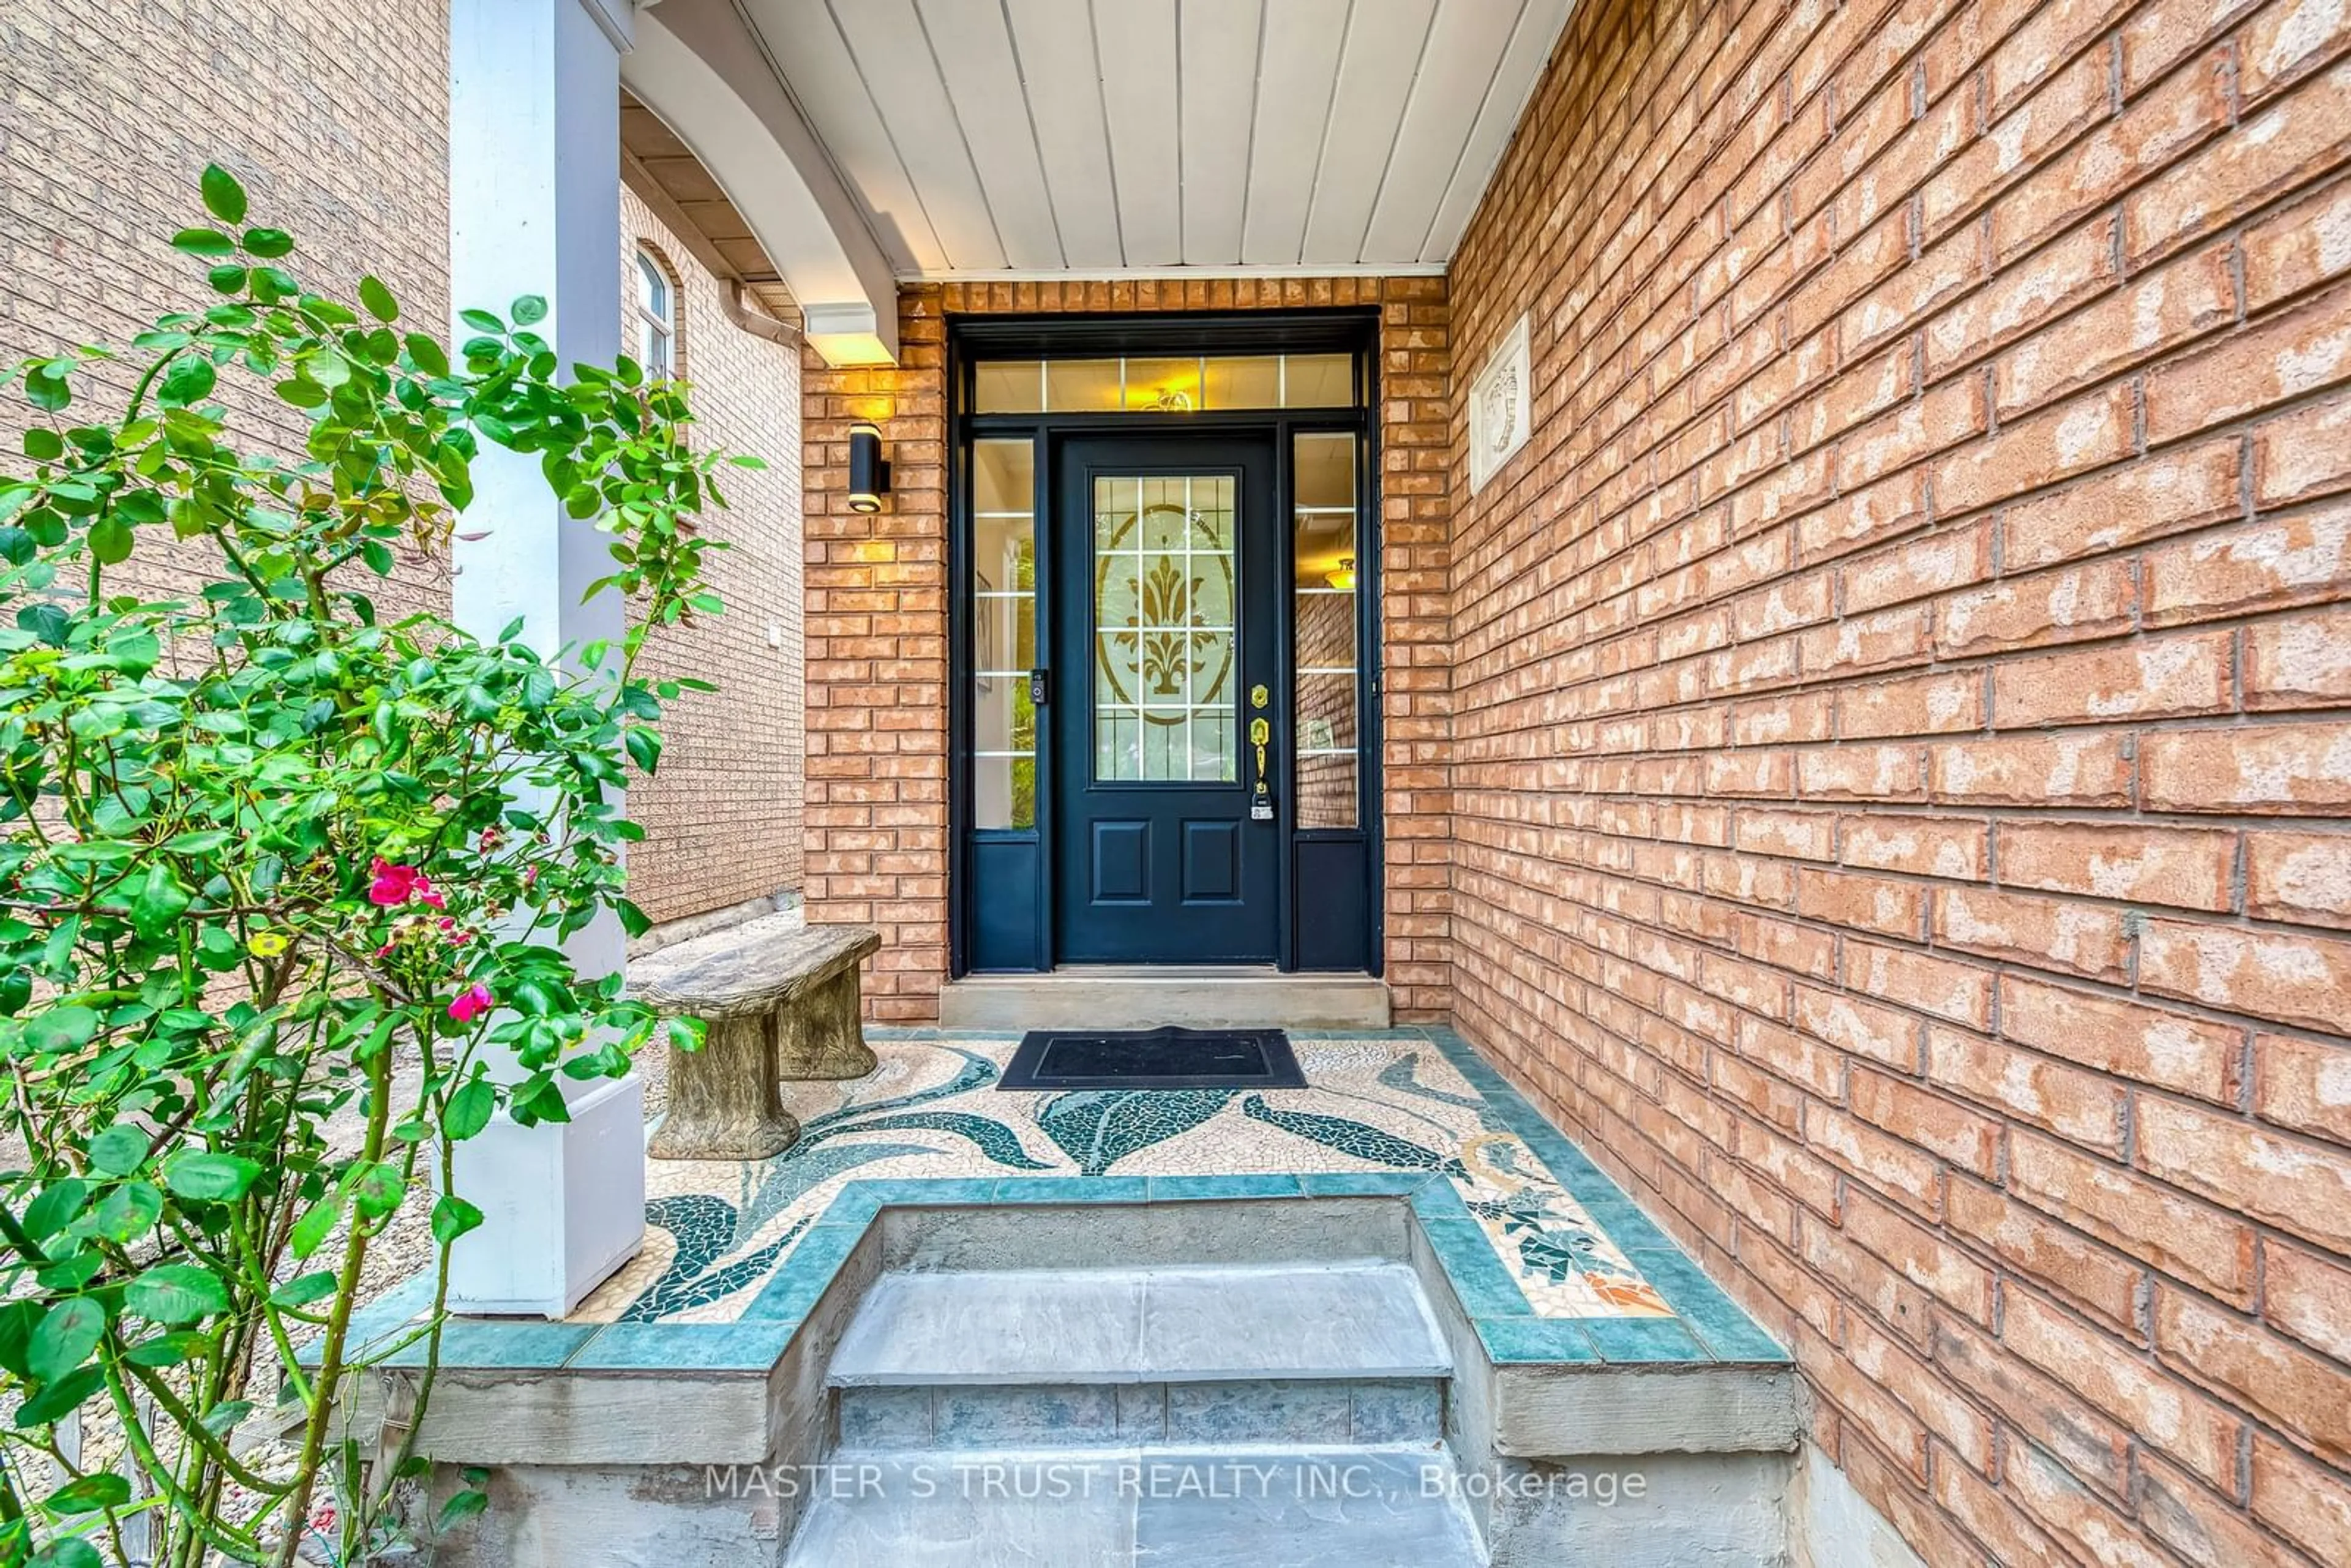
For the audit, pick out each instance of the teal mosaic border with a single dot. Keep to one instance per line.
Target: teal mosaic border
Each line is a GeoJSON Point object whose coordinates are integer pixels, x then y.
{"type": "Point", "coordinates": [1707, 1326]}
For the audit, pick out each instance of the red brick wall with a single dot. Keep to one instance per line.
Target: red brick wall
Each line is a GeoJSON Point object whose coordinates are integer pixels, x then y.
{"type": "Point", "coordinates": [877, 623]}
{"type": "Point", "coordinates": [1902, 726]}
{"type": "Point", "coordinates": [335, 115]}
{"type": "Point", "coordinates": [722, 816]}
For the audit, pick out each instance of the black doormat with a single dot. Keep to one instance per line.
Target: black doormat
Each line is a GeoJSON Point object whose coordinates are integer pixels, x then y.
{"type": "Point", "coordinates": [1154, 1059]}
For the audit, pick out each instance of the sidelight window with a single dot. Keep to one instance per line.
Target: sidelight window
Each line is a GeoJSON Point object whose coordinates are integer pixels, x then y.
{"type": "Point", "coordinates": [1004, 633]}
{"type": "Point", "coordinates": [1324, 659]}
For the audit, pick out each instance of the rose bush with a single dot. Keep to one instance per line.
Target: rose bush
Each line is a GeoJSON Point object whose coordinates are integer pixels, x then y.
{"type": "Point", "coordinates": [263, 842]}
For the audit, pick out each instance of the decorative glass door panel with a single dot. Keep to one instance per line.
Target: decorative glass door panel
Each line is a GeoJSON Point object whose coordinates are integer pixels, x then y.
{"type": "Point", "coordinates": [1167, 612]}
{"type": "Point", "coordinates": [1166, 636]}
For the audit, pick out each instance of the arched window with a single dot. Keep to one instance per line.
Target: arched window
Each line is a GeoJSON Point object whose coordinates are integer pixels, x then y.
{"type": "Point", "coordinates": [656, 345]}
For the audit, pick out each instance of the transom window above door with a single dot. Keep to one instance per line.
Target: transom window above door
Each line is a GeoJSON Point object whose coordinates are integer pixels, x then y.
{"type": "Point", "coordinates": [1164, 385]}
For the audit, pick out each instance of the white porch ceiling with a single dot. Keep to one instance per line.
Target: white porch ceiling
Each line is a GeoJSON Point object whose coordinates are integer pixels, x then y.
{"type": "Point", "coordinates": [1051, 138]}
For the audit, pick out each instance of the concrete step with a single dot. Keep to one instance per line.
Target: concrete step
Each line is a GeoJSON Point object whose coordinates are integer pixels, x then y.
{"type": "Point", "coordinates": [1155, 996]}
{"type": "Point", "coordinates": [1084, 1325]}
{"type": "Point", "coordinates": [1166, 1508]}
{"type": "Point", "coordinates": [1326, 1354]}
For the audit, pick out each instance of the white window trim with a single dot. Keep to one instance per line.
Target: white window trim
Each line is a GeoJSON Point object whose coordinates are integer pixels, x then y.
{"type": "Point", "coordinates": [662, 326]}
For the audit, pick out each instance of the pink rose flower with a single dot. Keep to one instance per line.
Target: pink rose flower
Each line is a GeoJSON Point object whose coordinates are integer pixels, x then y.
{"type": "Point", "coordinates": [396, 885]}
{"type": "Point", "coordinates": [475, 1001]}
{"type": "Point", "coordinates": [392, 883]}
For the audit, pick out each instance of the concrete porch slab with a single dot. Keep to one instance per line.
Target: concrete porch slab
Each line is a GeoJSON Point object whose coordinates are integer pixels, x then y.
{"type": "Point", "coordinates": [1153, 996]}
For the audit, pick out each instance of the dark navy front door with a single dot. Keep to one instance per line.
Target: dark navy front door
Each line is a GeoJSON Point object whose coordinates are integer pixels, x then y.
{"type": "Point", "coordinates": [1167, 736]}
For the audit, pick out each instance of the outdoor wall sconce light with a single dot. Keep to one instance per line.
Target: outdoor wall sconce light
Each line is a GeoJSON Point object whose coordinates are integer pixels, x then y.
{"type": "Point", "coordinates": [869, 471]}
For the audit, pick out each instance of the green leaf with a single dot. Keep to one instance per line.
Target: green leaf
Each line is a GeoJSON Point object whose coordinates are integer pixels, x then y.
{"type": "Point", "coordinates": [534, 997]}
{"type": "Point", "coordinates": [427, 354]}
{"type": "Point", "coordinates": [46, 389]}
{"type": "Point", "coordinates": [302, 393]}
{"type": "Point", "coordinates": [190, 380]}
{"type": "Point", "coordinates": [537, 1101]}
{"type": "Point", "coordinates": [481, 321]}
{"type": "Point", "coordinates": [222, 1418]}
{"type": "Point", "coordinates": [59, 1204]}
{"type": "Point", "coordinates": [224, 197]}
{"type": "Point", "coordinates": [469, 1110]}
{"type": "Point", "coordinates": [175, 1293]}
{"type": "Point", "coordinates": [110, 540]}
{"type": "Point", "coordinates": [268, 243]}
{"type": "Point", "coordinates": [378, 299]}
{"type": "Point", "coordinates": [43, 445]}
{"type": "Point", "coordinates": [310, 1232]}
{"type": "Point", "coordinates": [451, 1217]}
{"type": "Point", "coordinates": [125, 1213]}
{"type": "Point", "coordinates": [90, 1493]}
{"type": "Point", "coordinates": [461, 1507]}
{"type": "Point", "coordinates": [168, 1349]}
{"type": "Point", "coordinates": [68, 1552]}
{"type": "Point", "coordinates": [159, 901]}
{"type": "Point", "coordinates": [227, 279]}
{"type": "Point", "coordinates": [302, 1291]}
{"type": "Point", "coordinates": [119, 1150]}
{"type": "Point", "coordinates": [210, 244]}
{"type": "Point", "coordinates": [378, 1189]}
{"type": "Point", "coordinates": [59, 1399]}
{"type": "Point", "coordinates": [61, 1029]}
{"type": "Point", "coordinates": [68, 1333]}
{"type": "Point", "coordinates": [205, 1175]}
{"type": "Point", "coordinates": [529, 311]}
{"type": "Point", "coordinates": [17, 1321]}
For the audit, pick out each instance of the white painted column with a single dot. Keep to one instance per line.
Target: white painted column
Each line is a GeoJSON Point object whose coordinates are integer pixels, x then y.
{"type": "Point", "coordinates": [534, 208]}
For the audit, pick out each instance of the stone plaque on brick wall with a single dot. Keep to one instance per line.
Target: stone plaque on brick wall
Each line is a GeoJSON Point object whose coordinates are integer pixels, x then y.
{"type": "Point", "coordinates": [1497, 407]}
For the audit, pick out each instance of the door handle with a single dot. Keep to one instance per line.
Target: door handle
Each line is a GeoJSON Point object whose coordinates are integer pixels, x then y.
{"type": "Point", "coordinates": [1260, 732]}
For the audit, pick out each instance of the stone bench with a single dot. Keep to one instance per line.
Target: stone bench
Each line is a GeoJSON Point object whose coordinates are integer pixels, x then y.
{"type": "Point", "coordinates": [779, 1004]}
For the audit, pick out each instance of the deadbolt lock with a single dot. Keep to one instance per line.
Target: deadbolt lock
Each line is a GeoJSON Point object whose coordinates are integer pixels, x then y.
{"type": "Point", "coordinates": [1260, 697]}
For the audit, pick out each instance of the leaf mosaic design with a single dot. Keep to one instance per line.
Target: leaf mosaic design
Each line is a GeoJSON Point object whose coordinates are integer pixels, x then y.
{"type": "Point", "coordinates": [977, 1072]}
{"type": "Point", "coordinates": [1401, 1076]}
{"type": "Point", "coordinates": [1558, 1255]}
{"type": "Point", "coordinates": [996, 1140]}
{"type": "Point", "coordinates": [704, 1227]}
{"type": "Point", "coordinates": [774, 1185]}
{"type": "Point", "coordinates": [800, 1170]}
{"type": "Point", "coordinates": [1351, 1137]}
{"type": "Point", "coordinates": [1100, 1127]}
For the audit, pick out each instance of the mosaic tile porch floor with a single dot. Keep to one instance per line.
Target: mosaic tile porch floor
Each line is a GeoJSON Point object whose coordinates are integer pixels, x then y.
{"type": "Point", "coordinates": [1552, 1260]}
